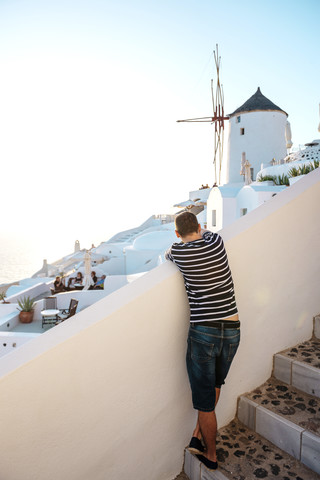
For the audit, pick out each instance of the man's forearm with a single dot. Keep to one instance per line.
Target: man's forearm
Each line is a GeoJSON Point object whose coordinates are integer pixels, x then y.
{"type": "Point", "coordinates": [167, 254]}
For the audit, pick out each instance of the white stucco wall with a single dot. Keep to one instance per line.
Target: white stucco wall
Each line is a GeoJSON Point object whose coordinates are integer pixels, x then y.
{"type": "Point", "coordinates": [138, 261]}
{"type": "Point", "coordinates": [105, 394]}
{"type": "Point", "coordinates": [247, 198]}
{"type": "Point", "coordinates": [229, 203]}
{"type": "Point", "coordinates": [274, 256]}
{"type": "Point", "coordinates": [225, 207]}
{"type": "Point", "coordinates": [214, 210]}
{"type": "Point", "coordinates": [17, 292]}
{"type": "Point", "coordinates": [263, 140]}
{"type": "Point", "coordinates": [250, 197]}
{"type": "Point", "coordinates": [113, 266]}
{"type": "Point", "coordinates": [6, 308]}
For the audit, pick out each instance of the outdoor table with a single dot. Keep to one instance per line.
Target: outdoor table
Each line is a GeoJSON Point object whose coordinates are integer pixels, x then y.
{"type": "Point", "coordinates": [49, 316]}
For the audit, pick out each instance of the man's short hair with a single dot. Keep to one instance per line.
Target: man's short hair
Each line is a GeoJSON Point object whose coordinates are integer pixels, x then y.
{"type": "Point", "coordinates": [186, 223]}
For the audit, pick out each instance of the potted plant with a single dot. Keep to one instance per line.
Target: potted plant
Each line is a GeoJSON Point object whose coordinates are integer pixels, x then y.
{"type": "Point", "coordinates": [26, 307]}
{"type": "Point", "coordinates": [2, 297]}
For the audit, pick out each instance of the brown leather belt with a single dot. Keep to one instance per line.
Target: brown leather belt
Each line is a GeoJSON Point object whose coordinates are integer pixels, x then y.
{"type": "Point", "coordinates": [224, 324]}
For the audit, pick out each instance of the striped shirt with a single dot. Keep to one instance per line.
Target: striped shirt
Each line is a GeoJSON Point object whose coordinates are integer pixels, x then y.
{"type": "Point", "coordinates": [207, 277]}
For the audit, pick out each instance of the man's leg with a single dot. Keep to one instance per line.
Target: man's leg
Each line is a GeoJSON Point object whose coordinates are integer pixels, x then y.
{"type": "Point", "coordinates": [197, 430]}
{"type": "Point", "coordinates": [208, 420]}
{"type": "Point", "coordinates": [208, 428]}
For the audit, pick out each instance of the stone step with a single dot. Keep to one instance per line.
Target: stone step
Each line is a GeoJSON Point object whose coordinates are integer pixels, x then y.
{"type": "Point", "coordinates": [300, 366]}
{"type": "Point", "coordinates": [277, 432]}
{"type": "Point", "coordinates": [287, 417]}
{"type": "Point", "coordinates": [246, 455]}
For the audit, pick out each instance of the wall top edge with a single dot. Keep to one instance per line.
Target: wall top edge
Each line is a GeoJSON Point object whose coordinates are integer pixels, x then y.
{"type": "Point", "coordinates": [85, 319]}
{"type": "Point", "coordinates": [280, 200]}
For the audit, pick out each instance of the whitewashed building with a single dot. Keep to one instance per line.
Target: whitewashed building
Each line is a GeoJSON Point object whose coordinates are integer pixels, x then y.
{"type": "Point", "coordinates": [257, 129]}
{"type": "Point", "coordinates": [229, 202]}
{"type": "Point", "coordinates": [259, 136]}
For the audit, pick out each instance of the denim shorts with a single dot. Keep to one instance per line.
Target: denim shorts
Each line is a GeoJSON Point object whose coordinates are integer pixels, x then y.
{"type": "Point", "coordinates": [209, 356]}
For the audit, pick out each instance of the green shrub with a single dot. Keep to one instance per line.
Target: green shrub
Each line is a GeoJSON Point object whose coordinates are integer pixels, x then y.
{"type": "Point", "coordinates": [26, 304]}
{"type": "Point", "coordinates": [265, 178]}
{"type": "Point", "coordinates": [277, 179]}
{"type": "Point", "coordinates": [281, 180]}
{"type": "Point", "coordinates": [305, 169]}
{"type": "Point", "coordinates": [293, 172]}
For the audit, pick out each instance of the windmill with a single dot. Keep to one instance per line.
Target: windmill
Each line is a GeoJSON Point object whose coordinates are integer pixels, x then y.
{"type": "Point", "coordinates": [217, 119]}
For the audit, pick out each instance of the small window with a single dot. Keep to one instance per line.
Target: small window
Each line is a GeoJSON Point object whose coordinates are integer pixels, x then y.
{"type": "Point", "coordinates": [214, 218]}
{"type": "Point", "coordinates": [241, 131]}
{"type": "Point", "coordinates": [243, 211]}
{"type": "Point", "coordinates": [238, 119]}
{"type": "Point", "coordinates": [251, 173]}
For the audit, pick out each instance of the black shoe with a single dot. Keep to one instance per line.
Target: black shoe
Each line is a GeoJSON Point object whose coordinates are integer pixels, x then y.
{"type": "Point", "coordinates": [195, 445]}
{"type": "Point", "coordinates": [208, 463]}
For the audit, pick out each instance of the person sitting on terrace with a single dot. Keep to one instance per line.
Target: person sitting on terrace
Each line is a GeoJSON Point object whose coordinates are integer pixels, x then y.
{"type": "Point", "coordinates": [100, 283]}
{"type": "Point", "coordinates": [75, 280]}
{"type": "Point", "coordinates": [71, 283]}
{"type": "Point", "coordinates": [94, 277]}
{"type": "Point", "coordinates": [58, 285]}
{"type": "Point", "coordinates": [79, 278]}
{"type": "Point", "coordinates": [94, 280]}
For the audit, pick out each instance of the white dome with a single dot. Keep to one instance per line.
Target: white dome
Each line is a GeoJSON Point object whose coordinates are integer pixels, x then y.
{"type": "Point", "coordinates": [154, 240]}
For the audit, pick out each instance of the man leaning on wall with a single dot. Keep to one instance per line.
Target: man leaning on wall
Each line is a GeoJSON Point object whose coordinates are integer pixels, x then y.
{"type": "Point", "coordinates": [214, 332]}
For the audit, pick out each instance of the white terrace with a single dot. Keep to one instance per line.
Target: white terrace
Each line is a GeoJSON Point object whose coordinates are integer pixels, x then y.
{"type": "Point", "coordinates": [105, 394]}
{"type": "Point", "coordinates": [13, 334]}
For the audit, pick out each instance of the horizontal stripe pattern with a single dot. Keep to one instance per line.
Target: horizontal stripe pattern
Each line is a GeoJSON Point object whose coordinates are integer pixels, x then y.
{"type": "Point", "coordinates": [207, 277]}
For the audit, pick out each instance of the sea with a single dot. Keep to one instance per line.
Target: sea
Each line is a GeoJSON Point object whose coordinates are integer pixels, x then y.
{"type": "Point", "coordinates": [22, 256]}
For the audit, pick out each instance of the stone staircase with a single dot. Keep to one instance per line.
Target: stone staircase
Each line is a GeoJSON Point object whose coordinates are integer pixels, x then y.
{"type": "Point", "coordinates": [276, 434]}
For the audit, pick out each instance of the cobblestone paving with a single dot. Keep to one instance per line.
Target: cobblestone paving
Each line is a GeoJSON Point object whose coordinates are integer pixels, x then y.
{"type": "Point", "coordinates": [307, 352]}
{"type": "Point", "coordinates": [285, 400]}
{"type": "Point", "coordinates": [243, 455]}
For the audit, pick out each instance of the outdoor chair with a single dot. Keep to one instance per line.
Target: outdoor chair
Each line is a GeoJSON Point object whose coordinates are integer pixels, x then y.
{"type": "Point", "coordinates": [49, 306]}
{"type": "Point", "coordinates": [50, 303]}
{"type": "Point", "coordinates": [67, 312]}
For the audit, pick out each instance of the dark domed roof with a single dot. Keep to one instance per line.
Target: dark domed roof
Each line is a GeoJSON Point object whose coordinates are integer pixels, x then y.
{"type": "Point", "coordinates": [257, 102]}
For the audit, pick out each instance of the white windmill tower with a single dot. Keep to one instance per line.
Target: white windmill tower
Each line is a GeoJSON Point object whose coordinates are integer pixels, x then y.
{"type": "Point", "coordinates": [259, 132]}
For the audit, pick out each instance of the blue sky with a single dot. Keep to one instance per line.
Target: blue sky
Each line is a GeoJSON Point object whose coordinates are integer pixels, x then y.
{"type": "Point", "coordinates": [90, 92]}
